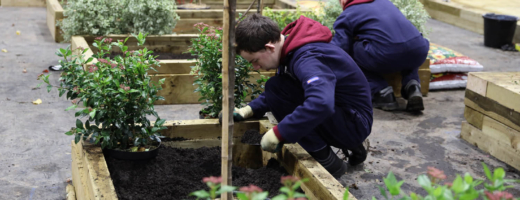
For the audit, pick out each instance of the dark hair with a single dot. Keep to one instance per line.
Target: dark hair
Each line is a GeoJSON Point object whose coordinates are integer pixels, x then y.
{"type": "Point", "coordinates": [254, 32]}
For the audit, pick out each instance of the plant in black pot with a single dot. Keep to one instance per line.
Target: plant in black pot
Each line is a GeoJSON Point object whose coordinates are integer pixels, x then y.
{"type": "Point", "coordinates": [114, 95]}
{"type": "Point", "coordinates": [208, 49]}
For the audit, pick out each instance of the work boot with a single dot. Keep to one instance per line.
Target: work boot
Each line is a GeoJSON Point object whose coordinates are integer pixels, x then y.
{"type": "Point", "coordinates": [412, 93]}
{"type": "Point", "coordinates": [385, 99]}
{"type": "Point", "coordinates": [330, 161]}
{"type": "Point", "coordinates": [358, 155]}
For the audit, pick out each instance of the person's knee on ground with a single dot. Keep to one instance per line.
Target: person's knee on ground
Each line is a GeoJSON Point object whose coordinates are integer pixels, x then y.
{"type": "Point", "coordinates": [330, 161]}
{"type": "Point", "coordinates": [412, 93]}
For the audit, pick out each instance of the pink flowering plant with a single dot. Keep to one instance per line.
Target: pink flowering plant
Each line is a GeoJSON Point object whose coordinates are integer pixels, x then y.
{"type": "Point", "coordinates": [208, 49]}
{"type": "Point", "coordinates": [463, 188]}
{"type": "Point", "coordinates": [115, 94]}
{"type": "Point", "coordinates": [215, 188]}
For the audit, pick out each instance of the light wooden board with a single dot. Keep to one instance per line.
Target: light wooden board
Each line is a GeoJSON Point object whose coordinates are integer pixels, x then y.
{"type": "Point", "coordinates": [204, 128]}
{"type": "Point", "coordinates": [71, 195]}
{"type": "Point", "coordinates": [54, 13]}
{"type": "Point", "coordinates": [22, 3]}
{"type": "Point", "coordinates": [98, 175]}
{"type": "Point", "coordinates": [491, 145]}
{"type": "Point", "coordinates": [179, 88]}
{"type": "Point", "coordinates": [493, 109]}
{"type": "Point", "coordinates": [493, 128]}
{"type": "Point", "coordinates": [502, 87]}
{"type": "Point", "coordinates": [78, 177]}
{"type": "Point", "coordinates": [394, 80]}
{"type": "Point", "coordinates": [474, 117]}
{"type": "Point", "coordinates": [467, 14]}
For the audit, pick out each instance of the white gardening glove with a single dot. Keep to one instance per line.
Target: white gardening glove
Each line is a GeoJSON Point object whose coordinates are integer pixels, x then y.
{"type": "Point", "coordinates": [270, 142]}
{"type": "Point", "coordinates": [239, 114]}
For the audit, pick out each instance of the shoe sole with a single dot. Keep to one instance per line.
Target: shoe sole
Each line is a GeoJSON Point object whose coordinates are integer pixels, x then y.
{"type": "Point", "coordinates": [415, 103]}
{"type": "Point", "coordinates": [386, 106]}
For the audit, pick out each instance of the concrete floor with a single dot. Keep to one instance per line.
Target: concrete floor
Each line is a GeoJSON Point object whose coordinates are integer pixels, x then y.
{"type": "Point", "coordinates": [35, 153]}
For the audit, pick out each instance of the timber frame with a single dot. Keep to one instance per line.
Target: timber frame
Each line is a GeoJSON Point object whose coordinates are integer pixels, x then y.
{"type": "Point", "coordinates": [212, 17]}
{"type": "Point", "coordinates": [91, 178]}
{"type": "Point", "coordinates": [394, 79]}
{"type": "Point", "coordinates": [178, 86]}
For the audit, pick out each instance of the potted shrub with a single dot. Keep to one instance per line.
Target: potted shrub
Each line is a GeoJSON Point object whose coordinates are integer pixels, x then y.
{"type": "Point", "coordinates": [116, 96]}
{"type": "Point", "coordinates": [208, 49]}
{"type": "Point", "coordinates": [94, 17]}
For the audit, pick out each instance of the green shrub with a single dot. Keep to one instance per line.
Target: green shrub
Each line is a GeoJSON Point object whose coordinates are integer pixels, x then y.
{"type": "Point", "coordinates": [414, 11]}
{"type": "Point", "coordinates": [103, 17]}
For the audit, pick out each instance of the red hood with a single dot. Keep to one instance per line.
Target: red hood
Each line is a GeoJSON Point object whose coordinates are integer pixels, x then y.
{"type": "Point", "coordinates": [354, 2]}
{"type": "Point", "coordinates": [304, 31]}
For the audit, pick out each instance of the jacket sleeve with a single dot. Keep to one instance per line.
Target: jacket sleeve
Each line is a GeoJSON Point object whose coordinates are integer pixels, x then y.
{"type": "Point", "coordinates": [319, 84]}
{"type": "Point", "coordinates": [343, 36]}
{"type": "Point", "coordinates": [259, 106]}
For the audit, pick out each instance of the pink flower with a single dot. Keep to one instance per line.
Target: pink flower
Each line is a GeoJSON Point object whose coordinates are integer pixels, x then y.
{"type": "Point", "coordinates": [157, 60]}
{"type": "Point", "coordinates": [75, 101]}
{"type": "Point", "coordinates": [99, 38]}
{"type": "Point", "coordinates": [219, 28]}
{"type": "Point", "coordinates": [113, 65]}
{"type": "Point", "coordinates": [219, 50]}
{"type": "Point", "coordinates": [289, 179]}
{"type": "Point", "coordinates": [119, 40]}
{"type": "Point", "coordinates": [122, 86]}
{"type": "Point", "coordinates": [92, 69]}
{"type": "Point", "coordinates": [101, 60]}
{"type": "Point", "coordinates": [499, 195]}
{"type": "Point", "coordinates": [121, 67]}
{"type": "Point", "coordinates": [251, 189]}
{"type": "Point", "coordinates": [75, 89]}
{"type": "Point", "coordinates": [448, 184]}
{"type": "Point", "coordinates": [108, 40]}
{"type": "Point", "coordinates": [212, 179]}
{"type": "Point", "coordinates": [436, 173]}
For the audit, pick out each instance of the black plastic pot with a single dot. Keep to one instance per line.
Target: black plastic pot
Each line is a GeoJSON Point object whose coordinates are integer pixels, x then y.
{"type": "Point", "coordinates": [127, 155]}
{"type": "Point", "coordinates": [498, 29]}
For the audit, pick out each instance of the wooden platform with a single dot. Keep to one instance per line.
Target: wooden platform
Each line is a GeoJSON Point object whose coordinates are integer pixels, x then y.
{"type": "Point", "coordinates": [22, 3]}
{"type": "Point", "coordinates": [91, 177]}
{"type": "Point", "coordinates": [188, 18]}
{"type": "Point", "coordinates": [394, 80]}
{"type": "Point", "coordinates": [178, 87]}
{"type": "Point", "coordinates": [467, 14]}
{"type": "Point", "coordinates": [492, 113]}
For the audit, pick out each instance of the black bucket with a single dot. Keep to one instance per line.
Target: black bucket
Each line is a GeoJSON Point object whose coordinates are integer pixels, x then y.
{"type": "Point", "coordinates": [498, 29]}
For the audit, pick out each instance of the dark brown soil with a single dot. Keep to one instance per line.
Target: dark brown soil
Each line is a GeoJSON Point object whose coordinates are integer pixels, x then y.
{"type": "Point", "coordinates": [252, 137]}
{"type": "Point", "coordinates": [175, 173]}
{"type": "Point", "coordinates": [161, 55]}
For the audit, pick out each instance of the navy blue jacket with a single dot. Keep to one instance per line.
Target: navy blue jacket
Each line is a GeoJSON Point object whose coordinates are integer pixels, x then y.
{"type": "Point", "coordinates": [380, 23]}
{"type": "Point", "coordinates": [330, 78]}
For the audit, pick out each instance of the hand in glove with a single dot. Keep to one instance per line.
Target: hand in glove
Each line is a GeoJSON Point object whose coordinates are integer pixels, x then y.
{"type": "Point", "coordinates": [270, 142]}
{"type": "Point", "coordinates": [239, 114]}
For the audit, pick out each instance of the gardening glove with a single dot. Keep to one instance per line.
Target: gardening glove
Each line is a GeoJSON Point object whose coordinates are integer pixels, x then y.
{"type": "Point", "coordinates": [239, 114]}
{"type": "Point", "coordinates": [271, 142]}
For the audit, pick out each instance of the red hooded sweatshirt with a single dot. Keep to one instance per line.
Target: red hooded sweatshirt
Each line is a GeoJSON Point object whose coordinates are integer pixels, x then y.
{"type": "Point", "coordinates": [304, 31]}
{"type": "Point", "coordinates": [354, 2]}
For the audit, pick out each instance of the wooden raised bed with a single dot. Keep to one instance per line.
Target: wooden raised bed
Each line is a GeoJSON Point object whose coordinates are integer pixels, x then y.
{"type": "Point", "coordinates": [22, 3]}
{"type": "Point", "coordinates": [212, 17]}
{"type": "Point", "coordinates": [394, 80]}
{"type": "Point", "coordinates": [178, 87]}
{"type": "Point", "coordinates": [91, 178]}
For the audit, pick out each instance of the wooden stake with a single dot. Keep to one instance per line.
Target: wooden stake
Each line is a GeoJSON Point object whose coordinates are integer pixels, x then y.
{"type": "Point", "coordinates": [228, 86]}
{"type": "Point", "coordinates": [260, 6]}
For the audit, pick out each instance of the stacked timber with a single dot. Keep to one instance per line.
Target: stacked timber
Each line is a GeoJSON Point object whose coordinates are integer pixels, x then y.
{"type": "Point", "coordinates": [492, 112]}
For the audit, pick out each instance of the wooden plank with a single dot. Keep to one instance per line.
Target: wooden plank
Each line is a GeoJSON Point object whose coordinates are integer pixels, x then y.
{"type": "Point", "coordinates": [71, 195]}
{"type": "Point", "coordinates": [54, 13]}
{"type": "Point", "coordinates": [98, 174]}
{"type": "Point", "coordinates": [321, 184]}
{"type": "Point", "coordinates": [22, 3]}
{"type": "Point", "coordinates": [185, 26]}
{"type": "Point", "coordinates": [216, 13]}
{"type": "Point", "coordinates": [474, 117]}
{"type": "Point", "coordinates": [496, 148]}
{"type": "Point", "coordinates": [394, 80]}
{"type": "Point", "coordinates": [179, 88]}
{"type": "Point", "coordinates": [174, 67]}
{"type": "Point", "coordinates": [503, 87]}
{"type": "Point", "coordinates": [264, 126]}
{"type": "Point", "coordinates": [501, 132]}
{"type": "Point", "coordinates": [476, 84]}
{"type": "Point", "coordinates": [78, 178]}
{"type": "Point", "coordinates": [493, 109]}
{"type": "Point", "coordinates": [204, 128]}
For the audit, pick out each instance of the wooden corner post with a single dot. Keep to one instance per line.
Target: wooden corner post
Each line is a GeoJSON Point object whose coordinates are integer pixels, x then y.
{"type": "Point", "coordinates": [228, 88]}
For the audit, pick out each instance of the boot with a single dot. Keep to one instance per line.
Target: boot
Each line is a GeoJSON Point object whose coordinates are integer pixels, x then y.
{"type": "Point", "coordinates": [330, 161]}
{"type": "Point", "coordinates": [385, 99]}
{"type": "Point", "coordinates": [358, 156]}
{"type": "Point", "coordinates": [412, 93]}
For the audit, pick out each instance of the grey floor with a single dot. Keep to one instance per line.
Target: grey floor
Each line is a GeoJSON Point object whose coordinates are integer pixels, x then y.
{"type": "Point", "coordinates": [35, 153]}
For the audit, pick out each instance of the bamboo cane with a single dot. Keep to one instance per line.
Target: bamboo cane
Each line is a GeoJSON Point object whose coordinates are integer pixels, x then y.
{"type": "Point", "coordinates": [228, 85]}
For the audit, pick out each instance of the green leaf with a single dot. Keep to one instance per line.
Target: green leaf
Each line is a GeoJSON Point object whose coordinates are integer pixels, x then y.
{"type": "Point", "coordinates": [92, 113]}
{"type": "Point", "coordinates": [77, 138]}
{"type": "Point", "coordinates": [437, 192]}
{"type": "Point", "coordinates": [499, 173]}
{"type": "Point", "coordinates": [71, 107]}
{"type": "Point", "coordinates": [200, 194]}
{"type": "Point", "coordinates": [469, 196]}
{"type": "Point", "coordinates": [297, 195]}
{"type": "Point", "coordinates": [382, 191]}
{"type": "Point", "coordinates": [69, 133]}
{"type": "Point", "coordinates": [414, 196]}
{"type": "Point", "coordinates": [468, 178]}
{"type": "Point", "coordinates": [458, 185]}
{"type": "Point", "coordinates": [79, 124]}
{"type": "Point", "coordinates": [345, 195]}
{"type": "Point", "coordinates": [261, 196]}
{"type": "Point", "coordinates": [49, 88]}
{"type": "Point", "coordinates": [226, 188]}
{"type": "Point", "coordinates": [280, 197]}
{"type": "Point", "coordinates": [425, 182]}
{"type": "Point", "coordinates": [487, 172]}
{"type": "Point", "coordinates": [242, 196]}
{"type": "Point", "coordinates": [285, 190]}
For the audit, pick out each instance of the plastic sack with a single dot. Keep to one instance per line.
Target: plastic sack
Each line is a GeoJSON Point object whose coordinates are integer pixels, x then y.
{"type": "Point", "coordinates": [443, 60]}
{"type": "Point", "coordinates": [448, 81]}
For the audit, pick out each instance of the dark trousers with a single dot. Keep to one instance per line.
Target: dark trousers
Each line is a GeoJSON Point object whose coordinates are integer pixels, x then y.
{"type": "Point", "coordinates": [344, 129]}
{"type": "Point", "coordinates": [376, 60]}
